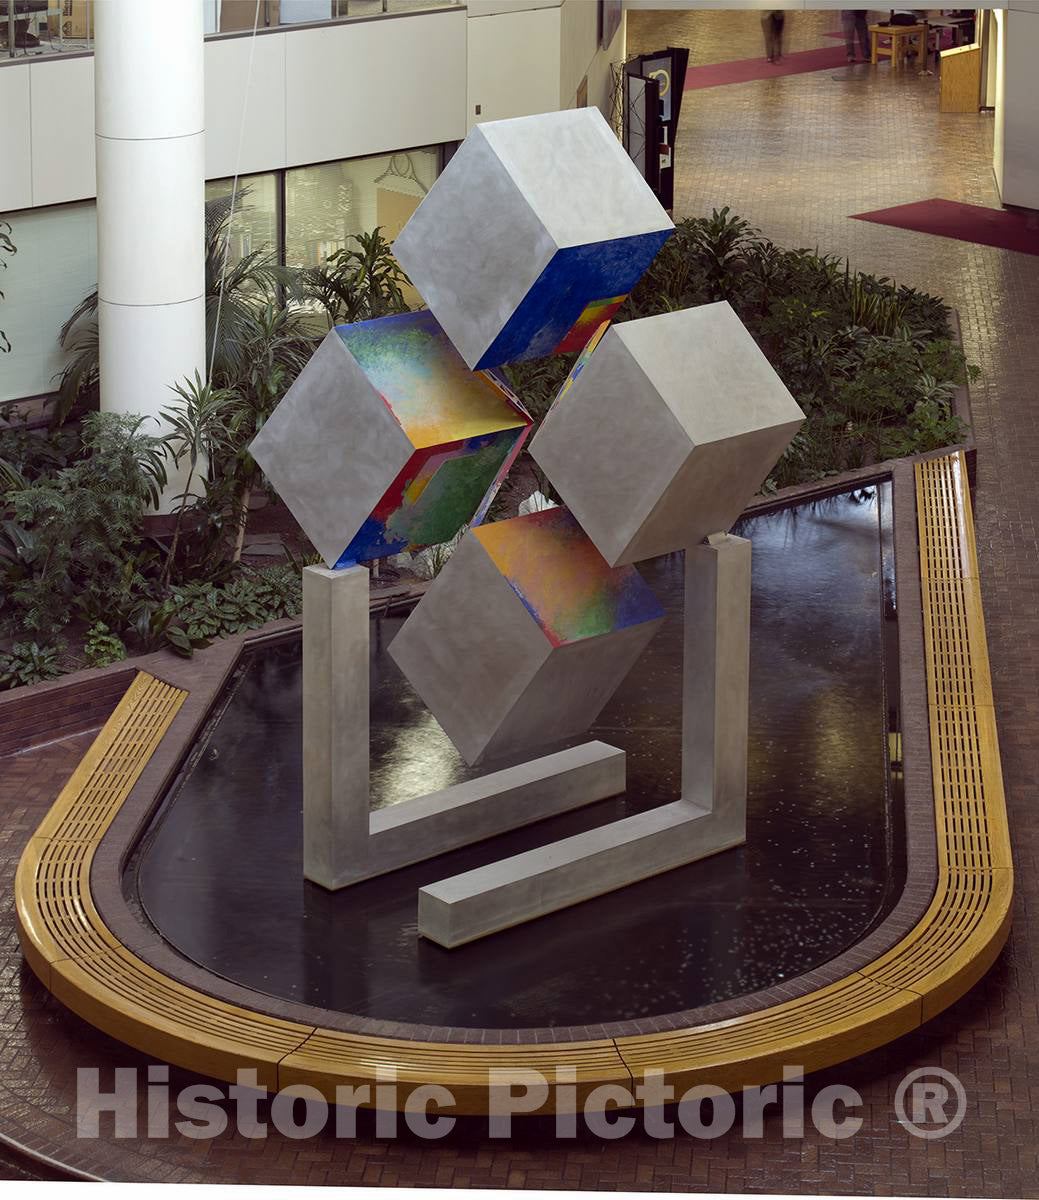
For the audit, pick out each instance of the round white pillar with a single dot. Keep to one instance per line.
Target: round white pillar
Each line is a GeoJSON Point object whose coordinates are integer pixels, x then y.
{"type": "Point", "coordinates": [149, 122]}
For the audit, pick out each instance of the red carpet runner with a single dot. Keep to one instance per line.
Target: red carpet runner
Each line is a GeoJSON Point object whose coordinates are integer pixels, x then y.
{"type": "Point", "coordinates": [966, 222]}
{"type": "Point", "coordinates": [747, 69]}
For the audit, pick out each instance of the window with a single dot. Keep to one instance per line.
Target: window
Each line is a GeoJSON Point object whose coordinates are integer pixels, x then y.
{"type": "Point", "coordinates": [256, 220]}
{"type": "Point", "coordinates": [327, 204]}
{"type": "Point", "coordinates": [54, 268]}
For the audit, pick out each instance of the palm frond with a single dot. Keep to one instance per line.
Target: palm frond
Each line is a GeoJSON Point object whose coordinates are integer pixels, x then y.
{"type": "Point", "coordinates": [86, 307]}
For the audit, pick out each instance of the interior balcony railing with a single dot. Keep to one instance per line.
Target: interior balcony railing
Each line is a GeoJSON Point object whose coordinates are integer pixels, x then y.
{"type": "Point", "coordinates": [51, 28]}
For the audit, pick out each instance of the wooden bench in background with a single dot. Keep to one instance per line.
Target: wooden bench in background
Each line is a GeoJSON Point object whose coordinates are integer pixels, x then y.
{"type": "Point", "coordinates": [901, 37]}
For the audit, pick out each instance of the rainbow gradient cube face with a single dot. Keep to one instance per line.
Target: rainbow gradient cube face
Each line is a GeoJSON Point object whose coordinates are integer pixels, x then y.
{"type": "Point", "coordinates": [524, 636]}
{"type": "Point", "coordinates": [387, 442]}
{"type": "Point", "coordinates": [534, 234]}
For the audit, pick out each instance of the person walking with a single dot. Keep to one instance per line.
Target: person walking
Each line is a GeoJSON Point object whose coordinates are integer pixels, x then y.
{"type": "Point", "coordinates": [772, 21]}
{"type": "Point", "coordinates": [855, 24]}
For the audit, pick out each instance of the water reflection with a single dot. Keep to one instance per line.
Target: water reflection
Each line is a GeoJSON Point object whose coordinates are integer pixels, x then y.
{"type": "Point", "coordinates": [220, 873]}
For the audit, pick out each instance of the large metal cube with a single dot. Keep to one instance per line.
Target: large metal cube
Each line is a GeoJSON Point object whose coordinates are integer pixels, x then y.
{"type": "Point", "coordinates": [665, 430]}
{"type": "Point", "coordinates": [534, 233]}
{"type": "Point", "coordinates": [524, 635]}
{"type": "Point", "coordinates": [387, 441]}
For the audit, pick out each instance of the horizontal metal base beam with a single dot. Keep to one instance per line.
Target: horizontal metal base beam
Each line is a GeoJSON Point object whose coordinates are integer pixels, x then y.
{"type": "Point", "coordinates": [481, 808]}
{"type": "Point", "coordinates": [488, 899]}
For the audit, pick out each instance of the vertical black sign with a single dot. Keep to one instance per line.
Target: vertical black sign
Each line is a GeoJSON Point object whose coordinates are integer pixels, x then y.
{"type": "Point", "coordinates": [642, 131]}
{"type": "Point", "coordinates": [668, 68]}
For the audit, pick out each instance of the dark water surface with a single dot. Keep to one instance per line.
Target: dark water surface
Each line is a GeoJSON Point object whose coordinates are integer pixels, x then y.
{"type": "Point", "coordinates": [220, 872]}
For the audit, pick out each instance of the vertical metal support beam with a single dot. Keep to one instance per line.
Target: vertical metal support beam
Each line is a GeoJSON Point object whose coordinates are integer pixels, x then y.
{"type": "Point", "coordinates": [335, 721]}
{"type": "Point", "coordinates": [716, 676]}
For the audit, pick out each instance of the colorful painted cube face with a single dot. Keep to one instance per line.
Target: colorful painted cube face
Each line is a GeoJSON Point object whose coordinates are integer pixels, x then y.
{"type": "Point", "coordinates": [533, 235]}
{"type": "Point", "coordinates": [566, 304]}
{"type": "Point", "coordinates": [563, 581]}
{"type": "Point", "coordinates": [467, 430]}
{"type": "Point", "coordinates": [533, 633]}
{"type": "Point", "coordinates": [387, 442]}
{"type": "Point", "coordinates": [441, 489]}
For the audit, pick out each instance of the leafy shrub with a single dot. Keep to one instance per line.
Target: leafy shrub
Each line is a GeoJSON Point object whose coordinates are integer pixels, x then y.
{"type": "Point", "coordinates": [102, 646]}
{"type": "Point", "coordinates": [153, 624]}
{"type": "Point", "coordinates": [361, 281]}
{"type": "Point", "coordinates": [28, 454]}
{"type": "Point", "coordinates": [72, 539]}
{"type": "Point", "coordinates": [199, 612]}
{"type": "Point", "coordinates": [29, 662]}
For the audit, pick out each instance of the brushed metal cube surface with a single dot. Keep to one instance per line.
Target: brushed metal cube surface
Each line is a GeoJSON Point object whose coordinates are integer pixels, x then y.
{"type": "Point", "coordinates": [533, 235]}
{"type": "Point", "coordinates": [524, 635]}
{"type": "Point", "coordinates": [664, 431]}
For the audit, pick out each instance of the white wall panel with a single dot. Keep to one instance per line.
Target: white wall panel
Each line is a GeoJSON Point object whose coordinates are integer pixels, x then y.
{"type": "Point", "coordinates": [316, 95]}
{"type": "Point", "coordinates": [15, 139]}
{"type": "Point", "coordinates": [263, 138]}
{"type": "Point", "coordinates": [62, 124]}
{"type": "Point", "coordinates": [514, 64]}
{"type": "Point", "coordinates": [363, 87]}
{"type": "Point", "coordinates": [578, 45]}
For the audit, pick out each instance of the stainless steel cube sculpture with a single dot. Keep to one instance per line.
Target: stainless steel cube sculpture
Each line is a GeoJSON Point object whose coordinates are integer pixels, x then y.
{"type": "Point", "coordinates": [387, 441]}
{"type": "Point", "coordinates": [528, 242]}
{"type": "Point", "coordinates": [661, 434]}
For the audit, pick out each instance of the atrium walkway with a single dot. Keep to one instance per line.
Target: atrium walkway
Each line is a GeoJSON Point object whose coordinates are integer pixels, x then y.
{"type": "Point", "coordinates": [796, 156]}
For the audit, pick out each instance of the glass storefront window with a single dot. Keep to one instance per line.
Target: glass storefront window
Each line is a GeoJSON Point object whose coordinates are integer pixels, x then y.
{"type": "Point", "coordinates": [328, 204]}
{"type": "Point", "coordinates": [32, 28]}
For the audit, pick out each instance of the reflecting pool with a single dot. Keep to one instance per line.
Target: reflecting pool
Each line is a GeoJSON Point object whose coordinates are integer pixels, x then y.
{"type": "Point", "coordinates": [219, 872]}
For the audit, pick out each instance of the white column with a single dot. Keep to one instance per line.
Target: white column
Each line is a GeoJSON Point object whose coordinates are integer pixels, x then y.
{"type": "Point", "coordinates": [149, 122]}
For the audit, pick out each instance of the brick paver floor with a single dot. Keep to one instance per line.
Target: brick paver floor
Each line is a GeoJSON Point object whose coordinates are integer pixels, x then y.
{"type": "Point", "coordinates": [795, 155]}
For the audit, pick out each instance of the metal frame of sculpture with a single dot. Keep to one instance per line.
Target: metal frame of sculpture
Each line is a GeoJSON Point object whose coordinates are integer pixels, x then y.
{"type": "Point", "coordinates": [399, 432]}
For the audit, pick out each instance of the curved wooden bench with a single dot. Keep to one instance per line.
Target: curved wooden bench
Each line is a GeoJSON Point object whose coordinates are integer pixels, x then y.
{"type": "Point", "coordinates": [81, 961]}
